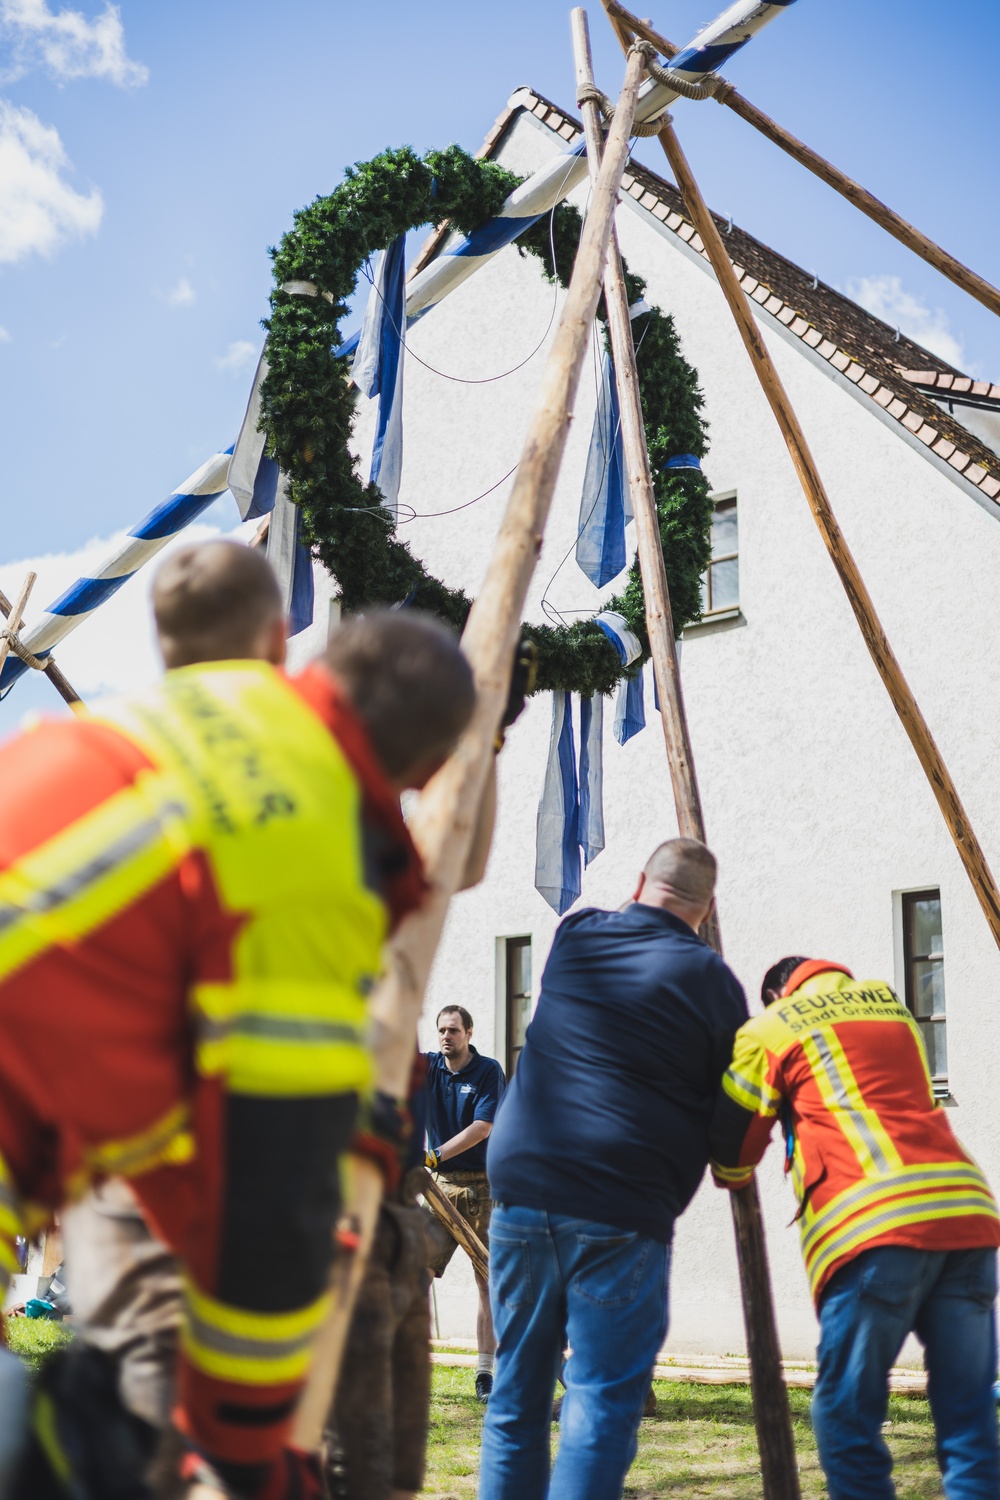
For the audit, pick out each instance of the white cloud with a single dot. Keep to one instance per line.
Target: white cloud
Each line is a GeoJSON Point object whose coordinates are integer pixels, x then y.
{"type": "Point", "coordinates": [4, 335]}
{"type": "Point", "coordinates": [67, 44]}
{"type": "Point", "coordinates": [182, 295]}
{"type": "Point", "coordinates": [888, 299]}
{"type": "Point", "coordinates": [38, 208]}
{"type": "Point", "coordinates": [238, 357]}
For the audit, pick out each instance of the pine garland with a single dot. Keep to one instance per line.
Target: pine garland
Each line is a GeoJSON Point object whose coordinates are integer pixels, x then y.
{"type": "Point", "coordinates": [308, 404]}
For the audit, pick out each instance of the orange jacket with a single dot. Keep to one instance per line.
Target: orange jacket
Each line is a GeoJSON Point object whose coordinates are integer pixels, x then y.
{"type": "Point", "coordinates": [872, 1156]}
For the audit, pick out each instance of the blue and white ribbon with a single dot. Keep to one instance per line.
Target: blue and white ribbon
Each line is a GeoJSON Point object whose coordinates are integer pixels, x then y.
{"type": "Point", "coordinates": [630, 708]}
{"type": "Point", "coordinates": [714, 45]}
{"type": "Point", "coordinates": [591, 826]}
{"type": "Point", "coordinates": [557, 840]}
{"type": "Point", "coordinates": [144, 541]}
{"type": "Point", "coordinates": [378, 368]}
{"type": "Point", "coordinates": [605, 503]}
{"type": "Point", "coordinates": [260, 489]}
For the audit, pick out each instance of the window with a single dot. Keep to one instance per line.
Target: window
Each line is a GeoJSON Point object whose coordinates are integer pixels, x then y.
{"type": "Point", "coordinates": [923, 958]}
{"type": "Point", "coordinates": [720, 586]}
{"type": "Point", "coordinates": [518, 997]}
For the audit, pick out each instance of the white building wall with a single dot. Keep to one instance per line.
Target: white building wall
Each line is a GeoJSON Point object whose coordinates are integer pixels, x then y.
{"type": "Point", "coordinates": [814, 801]}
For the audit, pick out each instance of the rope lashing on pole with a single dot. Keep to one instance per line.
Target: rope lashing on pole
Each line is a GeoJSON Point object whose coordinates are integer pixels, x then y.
{"type": "Point", "coordinates": [710, 87]}
{"type": "Point", "coordinates": [590, 94]}
{"type": "Point", "coordinates": [626, 25]}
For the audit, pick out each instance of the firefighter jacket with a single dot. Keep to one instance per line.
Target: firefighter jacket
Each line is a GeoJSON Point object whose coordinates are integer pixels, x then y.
{"type": "Point", "coordinates": [195, 886]}
{"type": "Point", "coordinates": [872, 1156]}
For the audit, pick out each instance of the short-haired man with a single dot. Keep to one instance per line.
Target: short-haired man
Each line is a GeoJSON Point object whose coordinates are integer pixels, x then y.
{"type": "Point", "coordinates": [464, 1090]}
{"type": "Point", "coordinates": [599, 1147]}
{"type": "Point", "coordinates": [197, 882]}
{"type": "Point", "coordinates": [899, 1227]}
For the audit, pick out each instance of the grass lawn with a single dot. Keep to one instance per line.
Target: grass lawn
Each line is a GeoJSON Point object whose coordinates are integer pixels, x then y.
{"type": "Point", "coordinates": [700, 1442]}
{"type": "Point", "coordinates": [34, 1338]}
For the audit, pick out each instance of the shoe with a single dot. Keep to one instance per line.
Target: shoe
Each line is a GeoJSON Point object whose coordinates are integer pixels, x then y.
{"type": "Point", "coordinates": [484, 1386]}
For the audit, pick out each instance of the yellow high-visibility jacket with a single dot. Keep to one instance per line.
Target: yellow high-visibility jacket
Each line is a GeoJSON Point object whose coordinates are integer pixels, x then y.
{"type": "Point", "coordinates": [872, 1156]}
{"type": "Point", "coordinates": [195, 886]}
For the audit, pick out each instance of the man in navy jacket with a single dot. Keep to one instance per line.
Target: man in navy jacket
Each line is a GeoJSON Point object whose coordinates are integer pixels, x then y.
{"type": "Point", "coordinates": [598, 1148]}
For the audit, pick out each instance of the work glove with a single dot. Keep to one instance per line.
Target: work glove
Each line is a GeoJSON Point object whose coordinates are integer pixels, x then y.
{"type": "Point", "coordinates": [522, 681]}
{"type": "Point", "coordinates": [295, 1476]}
{"type": "Point", "coordinates": [382, 1134]}
{"type": "Point", "coordinates": [431, 1159]}
{"type": "Point", "coordinates": [292, 1476]}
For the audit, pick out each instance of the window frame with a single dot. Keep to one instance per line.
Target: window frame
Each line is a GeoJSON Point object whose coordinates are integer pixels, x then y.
{"type": "Point", "coordinates": [728, 500]}
{"type": "Point", "coordinates": [908, 900]}
{"type": "Point", "coordinates": [511, 946]}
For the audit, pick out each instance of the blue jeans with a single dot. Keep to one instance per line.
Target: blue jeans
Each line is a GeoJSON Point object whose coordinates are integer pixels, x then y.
{"type": "Point", "coordinates": [870, 1305]}
{"type": "Point", "coordinates": [555, 1281]}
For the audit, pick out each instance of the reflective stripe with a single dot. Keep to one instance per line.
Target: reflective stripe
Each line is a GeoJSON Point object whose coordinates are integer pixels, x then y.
{"type": "Point", "coordinates": [167, 1142]}
{"type": "Point", "coordinates": [861, 1126]}
{"type": "Point", "coordinates": [109, 858]}
{"type": "Point", "coordinates": [252, 1348]}
{"type": "Point", "coordinates": [740, 1088]}
{"type": "Point", "coordinates": [279, 1029]}
{"type": "Point", "coordinates": [92, 870]}
{"type": "Point", "coordinates": [913, 1210]}
{"type": "Point", "coordinates": [282, 1038]}
{"type": "Point", "coordinates": [731, 1174]}
{"type": "Point", "coordinates": [46, 1430]}
{"type": "Point", "coordinates": [910, 1180]}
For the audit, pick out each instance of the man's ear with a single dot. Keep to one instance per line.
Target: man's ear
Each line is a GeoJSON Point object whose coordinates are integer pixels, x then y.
{"type": "Point", "coordinates": [640, 886]}
{"type": "Point", "coordinates": [277, 642]}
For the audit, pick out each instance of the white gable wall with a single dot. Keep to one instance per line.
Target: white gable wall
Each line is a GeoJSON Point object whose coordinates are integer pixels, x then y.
{"type": "Point", "coordinates": [814, 800]}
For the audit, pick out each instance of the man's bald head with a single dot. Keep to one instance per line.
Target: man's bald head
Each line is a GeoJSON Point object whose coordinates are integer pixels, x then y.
{"type": "Point", "coordinates": [218, 601]}
{"type": "Point", "coordinates": [410, 685]}
{"type": "Point", "coordinates": [679, 876]}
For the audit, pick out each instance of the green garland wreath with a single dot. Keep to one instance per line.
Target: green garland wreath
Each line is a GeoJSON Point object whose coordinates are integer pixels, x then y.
{"type": "Point", "coordinates": [308, 404]}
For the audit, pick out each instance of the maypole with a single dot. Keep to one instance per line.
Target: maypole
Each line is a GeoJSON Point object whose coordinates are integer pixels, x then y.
{"type": "Point", "coordinates": [772, 1417]}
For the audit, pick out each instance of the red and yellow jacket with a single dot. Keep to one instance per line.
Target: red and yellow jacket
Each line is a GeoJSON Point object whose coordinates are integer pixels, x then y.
{"type": "Point", "coordinates": [871, 1153]}
{"type": "Point", "coordinates": [195, 887]}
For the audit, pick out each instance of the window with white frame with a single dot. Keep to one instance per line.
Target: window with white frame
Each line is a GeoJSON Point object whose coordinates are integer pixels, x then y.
{"type": "Point", "coordinates": [720, 584]}
{"type": "Point", "coordinates": [518, 996]}
{"type": "Point", "coordinates": [923, 958]}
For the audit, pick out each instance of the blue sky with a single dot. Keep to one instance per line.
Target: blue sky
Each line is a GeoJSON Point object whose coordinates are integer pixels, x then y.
{"type": "Point", "coordinates": [149, 154]}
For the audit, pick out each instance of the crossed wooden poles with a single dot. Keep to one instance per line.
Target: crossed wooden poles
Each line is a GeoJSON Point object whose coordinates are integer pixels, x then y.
{"type": "Point", "coordinates": [446, 816]}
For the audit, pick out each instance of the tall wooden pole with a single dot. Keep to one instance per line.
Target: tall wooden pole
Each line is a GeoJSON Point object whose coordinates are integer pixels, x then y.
{"type": "Point", "coordinates": [779, 1471]}
{"type": "Point", "coordinates": [969, 849]}
{"type": "Point", "coordinates": [445, 820]}
{"type": "Point", "coordinates": [977, 286]}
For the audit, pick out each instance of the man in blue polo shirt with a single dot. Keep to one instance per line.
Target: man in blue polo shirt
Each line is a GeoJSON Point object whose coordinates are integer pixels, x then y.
{"type": "Point", "coordinates": [600, 1146]}
{"type": "Point", "coordinates": [463, 1091]}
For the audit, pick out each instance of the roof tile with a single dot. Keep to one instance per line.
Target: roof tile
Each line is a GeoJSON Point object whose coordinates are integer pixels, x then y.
{"type": "Point", "coordinates": [898, 375]}
{"type": "Point", "coordinates": [974, 473]}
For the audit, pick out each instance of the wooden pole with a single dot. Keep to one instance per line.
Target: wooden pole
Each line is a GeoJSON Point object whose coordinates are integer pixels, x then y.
{"type": "Point", "coordinates": [15, 615]}
{"type": "Point", "coordinates": [775, 1441]}
{"type": "Point", "coordinates": [977, 286]}
{"type": "Point", "coordinates": [463, 1234]}
{"type": "Point", "coordinates": [969, 849]}
{"type": "Point", "coordinates": [65, 690]}
{"type": "Point", "coordinates": [447, 813]}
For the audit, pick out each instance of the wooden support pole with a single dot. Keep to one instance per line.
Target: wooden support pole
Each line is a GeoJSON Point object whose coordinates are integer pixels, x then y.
{"type": "Point", "coordinates": [462, 1233]}
{"type": "Point", "coordinates": [624, 21]}
{"type": "Point", "coordinates": [15, 615]}
{"type": "Point", "coordinates": [969, 849]}
{"type": "Point", "coordinates": [779, 1471]}
{"type": "Point", "coordinates": [445, 819]}
{"type": "Point", "coordinates": [62, 686]}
